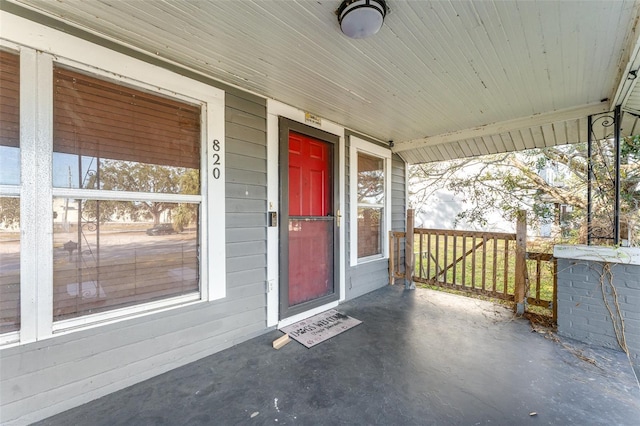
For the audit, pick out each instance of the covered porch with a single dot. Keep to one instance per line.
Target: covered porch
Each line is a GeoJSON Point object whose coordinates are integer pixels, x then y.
{"type": "Point", "coordinates": [441, 80]}
{"type": "Point", "coordinates": [419, 357]}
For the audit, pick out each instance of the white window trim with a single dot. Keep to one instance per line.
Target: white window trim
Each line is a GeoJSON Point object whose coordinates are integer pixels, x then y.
{"type": "Point", "coordinates": [16, 190]}
{"type": "Point", "coordinates": [360, 145]}
{"type": "Point", "coordinates": [39, 47]}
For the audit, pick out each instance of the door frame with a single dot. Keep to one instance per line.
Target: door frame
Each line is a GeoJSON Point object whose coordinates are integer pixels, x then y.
{"type": "Point", "coordinates": [285, 127]}
{"type": "Point", "coordinates": [275, 110]}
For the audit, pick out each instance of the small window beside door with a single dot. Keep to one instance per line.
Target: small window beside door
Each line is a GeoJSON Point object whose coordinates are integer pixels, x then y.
{"type": "Point", "coordinates": [371, 199]}
{"type": "Point", "coordinates": [370, 165]}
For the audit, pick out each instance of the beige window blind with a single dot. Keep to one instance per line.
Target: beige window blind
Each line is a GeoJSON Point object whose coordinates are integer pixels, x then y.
{"type": "Point", "coordinates": [9, 99]}
{"type": "Point", "coordinates": [97, 118]}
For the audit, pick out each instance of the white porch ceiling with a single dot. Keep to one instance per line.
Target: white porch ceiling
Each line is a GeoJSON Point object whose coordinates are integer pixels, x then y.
{"type": "Point", "coordinates": [441, 79]}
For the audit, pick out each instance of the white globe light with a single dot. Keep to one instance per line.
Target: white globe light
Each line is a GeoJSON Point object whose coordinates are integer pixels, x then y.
{"type": "Point", "coordinates": [361, 18]}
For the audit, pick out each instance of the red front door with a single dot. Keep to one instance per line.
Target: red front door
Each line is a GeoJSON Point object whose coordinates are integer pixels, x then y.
{"type": "Point", "coordinates": [310, 219]}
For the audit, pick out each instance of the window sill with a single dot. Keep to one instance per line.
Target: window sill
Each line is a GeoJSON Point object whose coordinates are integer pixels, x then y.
{"type": "Point", "coordinates": [116, 315]}
{"type": "Point", "coordinates": [9, 339]}
{"type": "Point", "coordinates": [369, 259]}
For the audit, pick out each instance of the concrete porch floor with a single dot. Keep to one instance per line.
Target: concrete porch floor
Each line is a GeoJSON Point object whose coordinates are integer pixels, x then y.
{"type": "Point", "coordinates": [419, 358]}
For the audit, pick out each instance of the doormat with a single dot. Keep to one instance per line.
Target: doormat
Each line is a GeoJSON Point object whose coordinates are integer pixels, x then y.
{"type": "Point", "coordinates": [319, 328]}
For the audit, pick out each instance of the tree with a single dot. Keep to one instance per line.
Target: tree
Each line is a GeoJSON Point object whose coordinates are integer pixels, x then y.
{"type": "Point", "coordinates": [510, 182]}
{"type": "Point", "coordinates": [141, 177]}
{"type": "Point", "coordinates": [186, 213]}
{"type": "Point", "coordinates": [9, 211]}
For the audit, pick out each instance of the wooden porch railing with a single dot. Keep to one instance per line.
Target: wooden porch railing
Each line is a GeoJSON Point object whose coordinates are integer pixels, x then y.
{"type": "Point", "coordinates": [545, 269]}
{"type": "Point", "coordinates": [474, 262]}
{"type": "Point", "coordinates": [494, 264]}
{"type": "Point", "coordinates": [395, 243]}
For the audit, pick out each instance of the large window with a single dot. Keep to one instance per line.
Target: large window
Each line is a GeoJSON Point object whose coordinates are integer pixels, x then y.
{"type": "Point", "coordinates": [126, 165]}
{"type": "Point", "coordinates": [107, 164]}
{"type": "Point", "coordinates": [370, 167]}
{"type": "Point", "coordinates": [9, 192]}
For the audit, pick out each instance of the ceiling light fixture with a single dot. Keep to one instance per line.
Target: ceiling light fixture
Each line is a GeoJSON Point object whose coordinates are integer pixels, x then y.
{"type": "Point", "coordinates": [361, 18]}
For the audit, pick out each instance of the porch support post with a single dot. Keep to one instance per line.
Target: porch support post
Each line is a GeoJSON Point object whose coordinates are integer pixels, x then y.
{"type": "Point", "coordinates": [589, 177]}
{"type": "Point", "coordinates": [616, 215]}
{"type": "Point", "coordinates": [408, 253]}
{"type": "Point", "coordinates": [521, 264]}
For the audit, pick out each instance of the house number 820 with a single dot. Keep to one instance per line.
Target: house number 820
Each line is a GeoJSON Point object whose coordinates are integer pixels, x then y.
{"type": "Point", "coordinates": [216, 159]}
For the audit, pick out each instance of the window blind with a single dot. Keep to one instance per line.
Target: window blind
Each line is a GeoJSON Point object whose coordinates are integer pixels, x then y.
{"type": "Point", "coordinates": [9, 99]}
{"type": "Point", "coordinates": [97, 118]}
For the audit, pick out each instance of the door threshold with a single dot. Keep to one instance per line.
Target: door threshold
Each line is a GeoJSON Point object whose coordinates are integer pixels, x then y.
{"type": "Point", "coordinates": [306, 314]}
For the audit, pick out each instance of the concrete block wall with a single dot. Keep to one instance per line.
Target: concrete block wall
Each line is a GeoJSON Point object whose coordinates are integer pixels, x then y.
{"type": "Point", "coordinates": [582, 312]}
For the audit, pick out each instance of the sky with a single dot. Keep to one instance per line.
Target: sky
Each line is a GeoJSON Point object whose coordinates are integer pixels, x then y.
{"type": "Point", "coordinates": [65, 168]}
{"type": "Point", "coordinates": [9, 165]}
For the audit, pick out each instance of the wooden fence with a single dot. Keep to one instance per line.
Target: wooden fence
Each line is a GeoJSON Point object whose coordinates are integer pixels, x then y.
{"type": "Point", "coordinates": [493, 264]}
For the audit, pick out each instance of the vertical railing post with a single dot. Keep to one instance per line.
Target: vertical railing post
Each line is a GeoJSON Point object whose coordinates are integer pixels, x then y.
{"type": "Point", "coordinates": [409, 262]}
{"type": "Point", "coordinates": [555, 291]}
{"type": "Point", "coordinates": [521, 265]}
{"type": "Point", "coordinates": [392, 263]}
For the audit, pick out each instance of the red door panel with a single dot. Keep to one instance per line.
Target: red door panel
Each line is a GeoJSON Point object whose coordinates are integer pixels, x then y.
{"type": "Point", "coordinates": [310, 225]}
{"type": "Point", "coordinates": [310, 260]}
{"type": "Point", "coordinates": [310, 189]}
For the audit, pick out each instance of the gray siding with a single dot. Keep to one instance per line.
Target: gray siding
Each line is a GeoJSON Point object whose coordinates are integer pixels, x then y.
{"type": "Point", "coordinates": [398, 194]}
{"type": "Point", "coordinates": [46, 377]}
{"type": "Point", "coordinates": [246, 221]}
{"type": "Point", "coordinates": [399, 197]}
{"type": "Point", "coordinates": [366, 277]}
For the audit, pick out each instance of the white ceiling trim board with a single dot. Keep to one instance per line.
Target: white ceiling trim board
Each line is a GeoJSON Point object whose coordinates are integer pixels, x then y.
{"type": "Point", "coordinates": [535, 120]}
{"type": "Point", "coordinates": [629, 61]}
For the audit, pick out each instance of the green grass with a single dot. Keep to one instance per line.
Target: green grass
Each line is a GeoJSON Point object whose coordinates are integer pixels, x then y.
{"type": "Point", "coordinates": [486, 265]}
